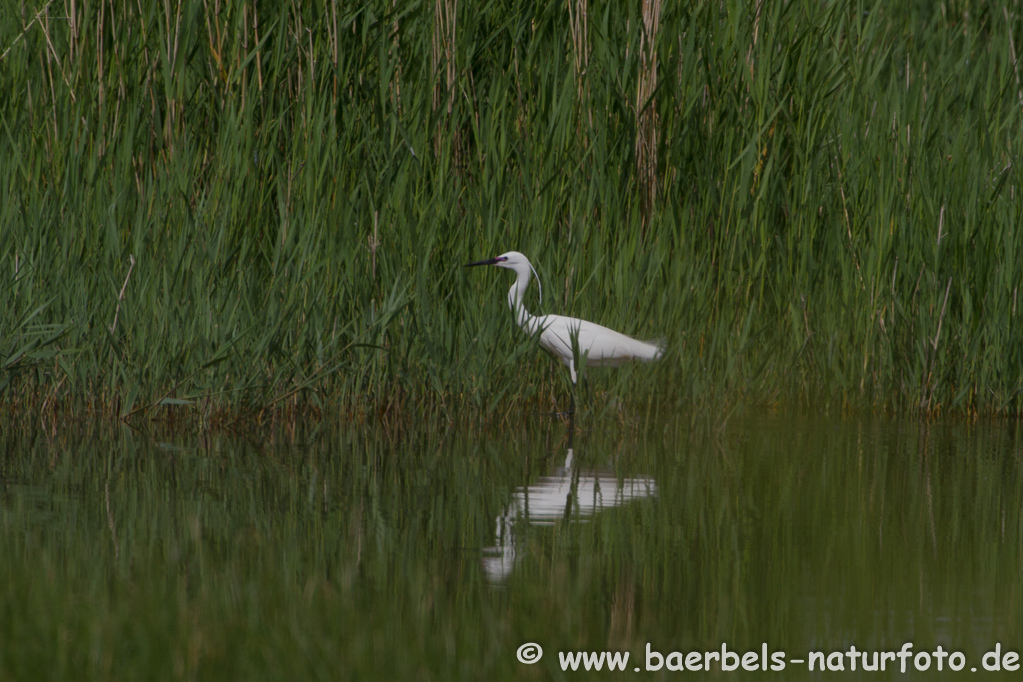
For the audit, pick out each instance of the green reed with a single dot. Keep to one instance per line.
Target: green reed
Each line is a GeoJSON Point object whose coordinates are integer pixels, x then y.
{"type": "Point", "coordinates": [284, 193]}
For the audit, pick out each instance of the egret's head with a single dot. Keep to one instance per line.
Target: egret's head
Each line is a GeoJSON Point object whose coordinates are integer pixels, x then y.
{"type": "Point", "coordinates": [513, 260]}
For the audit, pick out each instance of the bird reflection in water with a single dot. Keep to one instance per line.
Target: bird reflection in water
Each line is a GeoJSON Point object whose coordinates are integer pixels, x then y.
{"type": "Point", "coordinates": [568, 494]}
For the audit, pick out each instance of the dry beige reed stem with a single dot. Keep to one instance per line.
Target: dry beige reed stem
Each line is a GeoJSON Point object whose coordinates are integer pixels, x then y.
{"type": "Point", "coordinates": [646, 110]}
{"type": "Point", "coordinates": [444, 32]}
{"type": "Point", "coordinates": [578, 13]}
{"type": "Point", "coordinates": [124, 287]}
{"type": "Point", "coordinates": [396, 47]}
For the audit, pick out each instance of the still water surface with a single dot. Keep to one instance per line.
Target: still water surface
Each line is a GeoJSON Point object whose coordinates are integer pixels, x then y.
{"type": "Point", "coordinates": [358, 553]}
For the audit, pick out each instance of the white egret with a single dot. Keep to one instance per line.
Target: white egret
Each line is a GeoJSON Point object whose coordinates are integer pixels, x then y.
{"type": "Point", "coordinates": [600, 346]}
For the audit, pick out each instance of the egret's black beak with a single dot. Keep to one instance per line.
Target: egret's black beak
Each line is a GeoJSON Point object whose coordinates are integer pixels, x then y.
{"type": "Point", "coordinates": [489, 261]}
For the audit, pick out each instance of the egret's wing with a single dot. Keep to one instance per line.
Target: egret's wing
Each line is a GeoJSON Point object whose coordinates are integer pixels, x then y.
{"type": "Point", "coordinates": [606, 347]}
{"type": "Point", "coordinates": [600, 345]}
{"type": "Point", "coordinates": [555, 336]}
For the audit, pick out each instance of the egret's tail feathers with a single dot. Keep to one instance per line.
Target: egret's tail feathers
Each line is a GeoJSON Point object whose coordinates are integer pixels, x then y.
{"type": "Point", "coordinates": [648, 350]}
{"type": "Point", "coordinates": [622, 348]}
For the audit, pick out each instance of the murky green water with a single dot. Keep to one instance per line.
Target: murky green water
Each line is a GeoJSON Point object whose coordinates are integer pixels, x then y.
{"type": "Point", "coordinates": [363, 554]}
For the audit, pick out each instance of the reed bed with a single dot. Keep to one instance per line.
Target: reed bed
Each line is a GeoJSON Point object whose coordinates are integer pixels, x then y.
{"type": "Point", "coordinates": [224, 209]}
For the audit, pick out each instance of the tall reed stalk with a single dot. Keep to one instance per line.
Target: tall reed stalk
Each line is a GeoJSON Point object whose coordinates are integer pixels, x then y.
{"type": "Point", "coordinates": [646, 107]}
{"type": "Point", "coordinates": [445, 25]}
{"type": "Point", "coordinates": [579, 24]}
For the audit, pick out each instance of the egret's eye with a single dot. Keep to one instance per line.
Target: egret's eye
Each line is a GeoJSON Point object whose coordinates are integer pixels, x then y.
{"type": "Point", "coordinates": [501, 259]}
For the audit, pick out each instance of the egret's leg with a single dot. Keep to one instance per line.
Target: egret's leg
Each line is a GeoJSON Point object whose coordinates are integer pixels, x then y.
{"type": "Point", "coordinates": [571, 371]}
{"type": "Point", "coordinates": [571, 404]}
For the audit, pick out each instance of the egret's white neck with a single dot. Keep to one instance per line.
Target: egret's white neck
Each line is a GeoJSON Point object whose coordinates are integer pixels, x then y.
{"type": "Point", "coordinates": [515, 296]}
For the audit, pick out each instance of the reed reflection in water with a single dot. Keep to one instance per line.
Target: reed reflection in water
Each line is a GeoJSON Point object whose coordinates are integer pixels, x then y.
{"type": "Point", "coordinates": [355, 552]}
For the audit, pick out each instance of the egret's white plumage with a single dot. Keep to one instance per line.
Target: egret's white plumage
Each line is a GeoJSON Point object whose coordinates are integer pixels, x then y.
{"type": "Point", "coordinates": [602, 347]}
